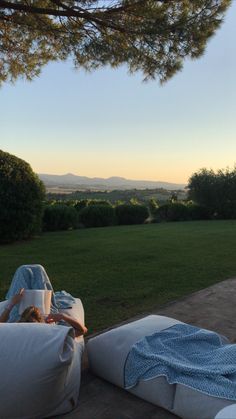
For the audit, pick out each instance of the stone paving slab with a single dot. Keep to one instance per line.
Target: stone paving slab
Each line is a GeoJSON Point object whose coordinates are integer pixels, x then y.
{"type": "Point", "coordinates": [212, 308]}
{"type": "Point", "coordinates": [102, 400]}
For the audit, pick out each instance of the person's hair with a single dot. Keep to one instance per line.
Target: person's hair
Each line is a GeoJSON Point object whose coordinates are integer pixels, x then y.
{"type": "Point", "coordinates": [31, 315]}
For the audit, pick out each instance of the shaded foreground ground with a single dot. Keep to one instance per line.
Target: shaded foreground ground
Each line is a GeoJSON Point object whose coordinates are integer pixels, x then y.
{"type": "Point", "coordinates": [211, 308]}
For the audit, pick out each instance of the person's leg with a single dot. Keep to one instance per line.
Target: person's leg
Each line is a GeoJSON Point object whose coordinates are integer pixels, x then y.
{"type": "Point", "coordinates": [29, 277]}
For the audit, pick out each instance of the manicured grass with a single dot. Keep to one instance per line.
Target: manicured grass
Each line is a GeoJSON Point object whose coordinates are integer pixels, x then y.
{"type": "Point", "coordinates": [121, 271]}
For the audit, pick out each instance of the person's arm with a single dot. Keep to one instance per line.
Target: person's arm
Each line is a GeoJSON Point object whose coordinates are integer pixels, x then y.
{"type": "Point", "coordinates": [12, 302]}
{"type": "Point", "coordinates": [57, 317]}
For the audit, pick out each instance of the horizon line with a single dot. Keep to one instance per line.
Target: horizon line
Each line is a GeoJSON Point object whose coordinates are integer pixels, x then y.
{"type": "Point", "coordinates": [111, 177]}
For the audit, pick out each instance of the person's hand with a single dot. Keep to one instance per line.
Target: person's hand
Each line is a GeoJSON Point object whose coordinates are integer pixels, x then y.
{"type": "Point", "coordinates": [16, 299]}
{"type": "Point", "coordinates": [53, 318]}
{"type": "Point", "coordinates": [85, 330]}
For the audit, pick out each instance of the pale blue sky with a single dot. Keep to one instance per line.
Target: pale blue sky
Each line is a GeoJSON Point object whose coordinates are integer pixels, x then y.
{"type": "Point", "coordinates": [108, 123]}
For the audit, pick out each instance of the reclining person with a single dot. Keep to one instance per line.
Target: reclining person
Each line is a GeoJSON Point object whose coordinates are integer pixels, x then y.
{"type": "Point", "coordinates": [33, 315]}
{"type": "Point", "coordinates": [35, 277]}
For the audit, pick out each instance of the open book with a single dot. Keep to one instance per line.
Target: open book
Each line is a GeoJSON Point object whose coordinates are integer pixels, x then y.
{"type": "Point", "coordinates": [37, 298]}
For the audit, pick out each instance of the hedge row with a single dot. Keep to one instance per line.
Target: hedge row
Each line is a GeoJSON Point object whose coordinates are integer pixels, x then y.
{"type": "Point", "coordinates": [60, 217]}
{"type": "Point", "coordinates": [71, 215]}
{"type": "Point", "coordinates": [97, 216]}
{"type": "Point", "coordinates": [63, 217]}
{"type": "Point", "coordinates": [177, 211]}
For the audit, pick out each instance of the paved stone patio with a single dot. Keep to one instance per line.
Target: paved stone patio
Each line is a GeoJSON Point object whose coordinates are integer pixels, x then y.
{"type": "Point", "coordinates": [211, 308]}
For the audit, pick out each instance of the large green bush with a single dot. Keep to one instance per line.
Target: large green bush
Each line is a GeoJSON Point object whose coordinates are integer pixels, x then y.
{"type": "Point", "coordinates": [82, 203]}
{"type": "Point", "coordinates": [227, 210]}
{"type": "Point", "coordinates": [197, 212]}
{"type": "Point", "coordinates": [216, 191]}
{"type": "Point", "coordinates": [60, 217]}
{"type": "Point", "coordinates": [21, 199]}
{"type": "Point", "coordinates": [179, 211]}
{"type": "Point", "coordinates": [173, 211]}
{"type": "Point", "coordinates": [97, 215]}
{"type": "Point", "coordinates": [131, 214]}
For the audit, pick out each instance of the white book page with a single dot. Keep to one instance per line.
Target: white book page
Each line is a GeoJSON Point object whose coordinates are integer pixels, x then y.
{"type": "Point", "coordinates": [38, 298]}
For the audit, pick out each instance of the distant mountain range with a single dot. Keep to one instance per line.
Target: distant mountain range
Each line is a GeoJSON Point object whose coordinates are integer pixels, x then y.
{"type": "Point", "coordinates": [71, 181]}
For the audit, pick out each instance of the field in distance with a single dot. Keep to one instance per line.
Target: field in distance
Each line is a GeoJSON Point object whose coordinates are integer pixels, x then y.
{"type": "Point", "coordinates": [141, 195]}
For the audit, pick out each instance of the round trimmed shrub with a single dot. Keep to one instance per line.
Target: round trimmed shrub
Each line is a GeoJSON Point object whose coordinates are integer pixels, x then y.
{"type": "Point", "coordinates": [97, 216]}
{"type": "Point", "coordinates": [198, 212]}
{"type": "Point", "coordinates": [172, 212]}
{"type": "Point", "coordinates": [82, 203]}
{"type": "Point", "coordinates": [21, 199]}
{"type": "Point", "coordinates": [131, 214]}
{"type": "Point", "coordinates": [60, 217]}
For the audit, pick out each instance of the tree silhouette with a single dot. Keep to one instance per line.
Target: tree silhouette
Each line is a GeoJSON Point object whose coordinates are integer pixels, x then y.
{"type": "Point", "coordinates": [150, 36]}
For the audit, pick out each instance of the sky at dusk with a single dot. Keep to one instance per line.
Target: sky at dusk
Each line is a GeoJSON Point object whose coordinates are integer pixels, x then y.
{"type": "Point", "coordinates": [109, 123]}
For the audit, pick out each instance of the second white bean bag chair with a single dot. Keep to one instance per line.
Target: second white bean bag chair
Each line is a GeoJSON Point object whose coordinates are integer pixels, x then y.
{"type": "Point", "coordinates": [107, 355]}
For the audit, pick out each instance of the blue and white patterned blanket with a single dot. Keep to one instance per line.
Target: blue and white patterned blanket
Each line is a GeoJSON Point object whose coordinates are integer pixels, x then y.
{"type": "Point", "coordinates": [185, 354]}
{"type": "Point", "coordinates": [35, 277]}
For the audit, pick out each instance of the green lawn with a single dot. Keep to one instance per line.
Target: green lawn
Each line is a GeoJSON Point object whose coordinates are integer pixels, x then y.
{"type": "Point", "coordinates": [121, 271]}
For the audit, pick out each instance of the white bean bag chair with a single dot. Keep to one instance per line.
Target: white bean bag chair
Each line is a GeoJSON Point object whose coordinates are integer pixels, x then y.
{"type": "Point", "coordinates": [229, 412]}
{"type": "Point", "coordinates": [40, 368]}
{"type": "Point", "coordinates": [107, 354]}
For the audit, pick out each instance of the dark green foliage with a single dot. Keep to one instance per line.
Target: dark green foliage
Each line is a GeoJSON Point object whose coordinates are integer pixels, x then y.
{"type": "Point", "coordinates": [173, 211]}
{"type": "Point", "coordinates": [70, 202]}
{"type": "Point", "coordinates": [216, 191]}
{"type": "Point", "coordinates": [79, 205]}
{"type": "Point", "coordinates": [180, 211]}
{"type": "Point", "coordinates": [131, 214]}
{"type": "Point", "coordinates": [21, 199]}
{"type": "Point", "coordinates": [203, 189]}
{"type": "Point", "coordinates": [98, 202]}
{"type": "Point", "coordinates": [60, 217]}
{"type": "Point", "coordinates": [150, 36]}
{"type": "Point", "coordinates": [99, 215]}
{"type": "Point", "coordinates": [197, 212]}
{"type": "Point", "coordinates": [228, 210]}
